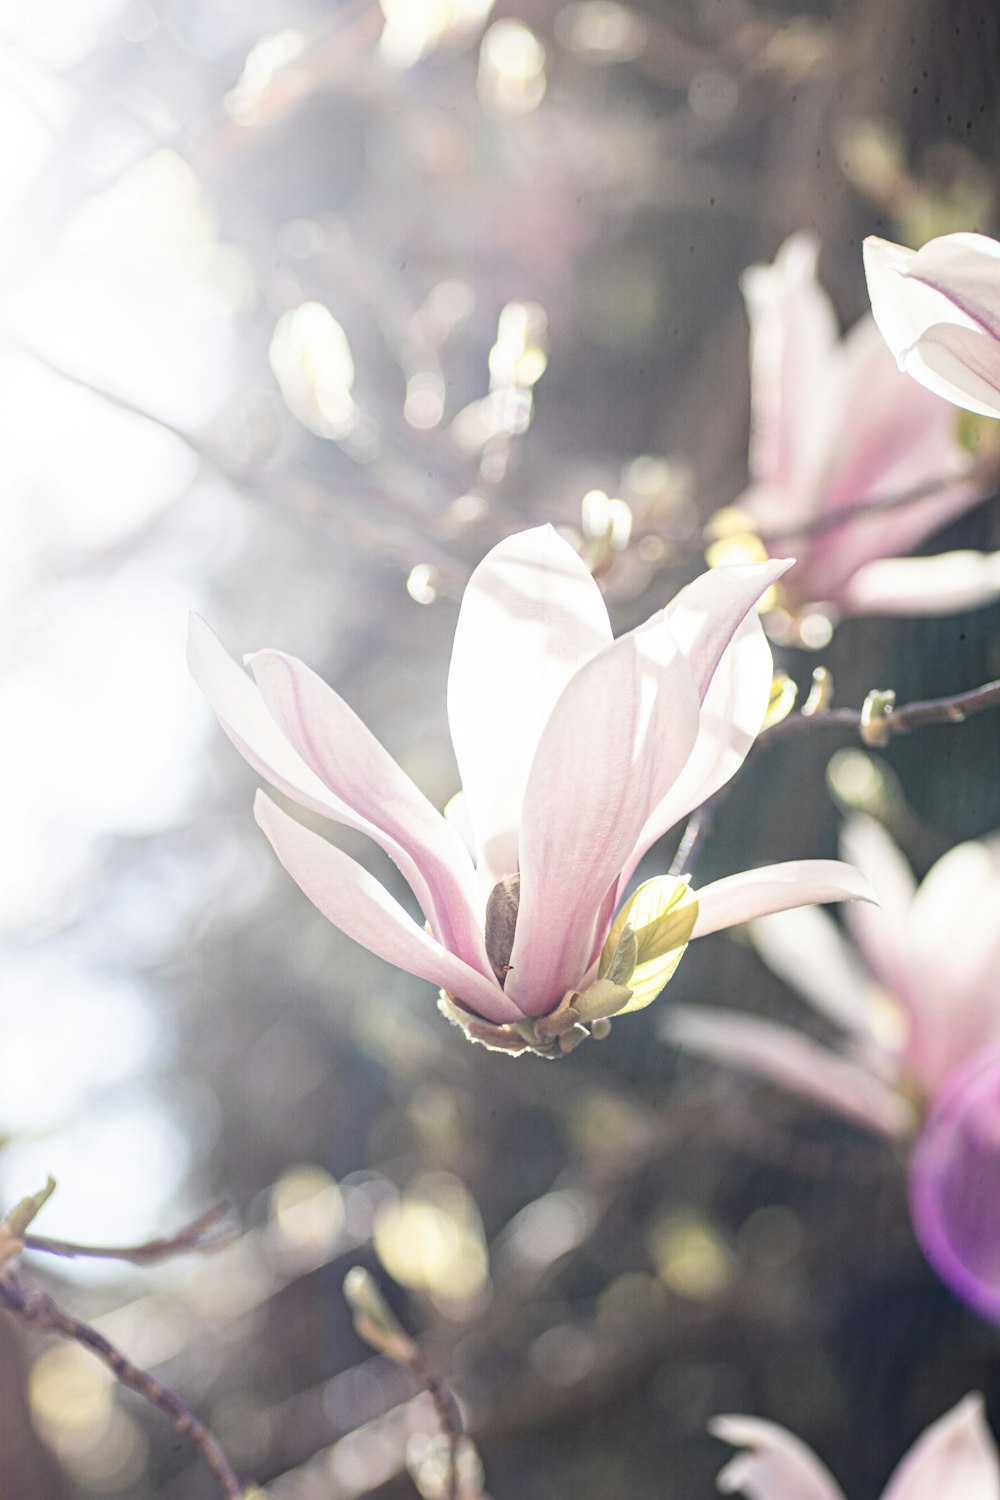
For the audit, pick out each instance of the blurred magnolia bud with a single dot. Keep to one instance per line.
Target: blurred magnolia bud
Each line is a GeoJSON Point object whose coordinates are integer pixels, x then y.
{"type": "Point", "coordinates": [374, 1320]}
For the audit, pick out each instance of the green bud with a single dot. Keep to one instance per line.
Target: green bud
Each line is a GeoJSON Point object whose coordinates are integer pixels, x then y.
{"type": "Point", "coordinates": [875, 714]}
{"type": "Point", "coordinates": [604, 998]}
{"type": "Point", "coordinates": [374, 1320]}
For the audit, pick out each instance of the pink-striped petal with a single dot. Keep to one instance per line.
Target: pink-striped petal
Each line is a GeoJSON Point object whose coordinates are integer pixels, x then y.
{"type": "Point", "coordinates": [531, 616]}
{"type": "Point", "coordinates": [954, 1177]}
{"type": "Point", "coordinates": [938, 310]}
{"type": "Point", "coordinates": [360, 907]}
{"type": "Point", "coordinates": [794, 1062]}
{"type": "Point", "coordinates": [720, 634]}
{"type": "Point", "coordinates": [903, 307]}
{"type": "Point", "coordinates": [775, 1466]}
{"type": "Point", "coordinates": [964, 268]}
{"type": "Point", "coordinates": [892, 437]}
{"type": "Point", "coordinates": [958, 364]}
{"type": "Point", "coordinates": [953, 944]}
{"type": "Point", "coordinates": [955, 1459]}
{"type": "Point", "coordinates": [793, 334]}
{"type": "Point", "coordinates": [245, 717]}
{"type": "Point", "coordinates": [757, 893]}
{"type": "Point", "coordinates": [618, 737]}
{"type": "Point", "coordinates": [347, 757]}
{"type": "Point", "coordinates": [941, 585]}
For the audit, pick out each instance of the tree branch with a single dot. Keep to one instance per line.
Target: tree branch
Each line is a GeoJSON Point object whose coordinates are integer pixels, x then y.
{"type": "Point", "coordinates": [193, 1236]}
{"type": "Point", "coordinates": [37, 1310]}
{"type": "Point", "coordinates": [891, 721]}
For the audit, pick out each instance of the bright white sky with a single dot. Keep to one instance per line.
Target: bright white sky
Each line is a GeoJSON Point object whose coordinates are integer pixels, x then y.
{"type": "Point", "coordinates": [101, 722]}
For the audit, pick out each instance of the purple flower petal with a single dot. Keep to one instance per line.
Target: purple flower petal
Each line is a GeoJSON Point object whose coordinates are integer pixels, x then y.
{"type": "Point", "coordinates": [954, 1182]}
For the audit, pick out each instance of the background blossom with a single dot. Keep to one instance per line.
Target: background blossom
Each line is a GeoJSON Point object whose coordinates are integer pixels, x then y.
{"type": "Point", "coordinates": [835, 425]}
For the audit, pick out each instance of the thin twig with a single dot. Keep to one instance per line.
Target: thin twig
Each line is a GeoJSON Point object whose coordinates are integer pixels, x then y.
{"type": "Point", "coordinates": [448, 1412]}
{"type": "Point", "coordinates": [193, 1236]}
{"type": "Point", "coordinates": [951, 710]}
{"type": "Point", "coordinates": [917, 715]}
{"type": "Point", "coordinates": [37, 1310]}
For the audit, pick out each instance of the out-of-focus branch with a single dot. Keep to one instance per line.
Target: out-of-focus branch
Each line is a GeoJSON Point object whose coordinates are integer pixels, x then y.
{"type": "Point", "coordinates": [375, 1322]}
{"type": "Point", "coordinates": [202, 1233]}
{"type": "Point", "coordinates": [371, 519]}
{"type": "Point", "coordinates": [37, 1310]}
{"type": "Point", "coordinates": [984, 473]}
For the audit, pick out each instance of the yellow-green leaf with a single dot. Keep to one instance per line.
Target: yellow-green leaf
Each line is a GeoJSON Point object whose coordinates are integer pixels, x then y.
{"type": "Point", "coordinates": [662, 914]}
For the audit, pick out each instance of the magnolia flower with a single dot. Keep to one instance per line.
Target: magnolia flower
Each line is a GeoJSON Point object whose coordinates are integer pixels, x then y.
{"type": "Point", "coordinates": [955, 1459]}
{"type": "Point", "coordinates": [835, 425]}
{"type": "Point", "coordinates": [576, 752]}
{"type": "Point", "coordinates": [917, 997]}
{"type": "Point", "coordinates": [938, 310]}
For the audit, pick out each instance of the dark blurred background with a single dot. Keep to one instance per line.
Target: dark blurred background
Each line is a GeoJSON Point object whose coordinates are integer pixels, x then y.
{"type": "Point", "coordinates": [303, 307]}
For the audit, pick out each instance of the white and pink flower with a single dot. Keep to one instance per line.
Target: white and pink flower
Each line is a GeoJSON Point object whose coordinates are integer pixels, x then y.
{"type": "Point", "coordinates": [938, 309]}
{"type": "Point", "coordinates": [917, 997]}
{"type": "Point", "coordinates": [954, 1459]}
{"type": "Point", "coordinates": [576, 752]}
{"type": "Point", "coordinates": [836, 426]}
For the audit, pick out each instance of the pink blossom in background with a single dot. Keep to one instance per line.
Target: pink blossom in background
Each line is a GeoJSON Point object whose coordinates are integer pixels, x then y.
{"type": "Point", "coordinates": [576, 753]}
{"type": "Point", "coordinates": [938, 309]}
{"type": "Point", "coordinates": [954, 1459]}
{"type": "Point", "coordinates": [834, 425]}
{"type": "Point", "coordinates": [917, 996]}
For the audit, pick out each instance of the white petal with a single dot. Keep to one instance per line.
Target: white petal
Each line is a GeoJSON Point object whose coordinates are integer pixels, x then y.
{"type": "Point", "coordinates": [881, 931]}
{"type": "Point", "coordinates": [940, 318]}
{"type": "Point", "coordinates": [243, 714]}
{"type": "Point", "coordinates": [531, 616]}
{"type": "Point", "coordinates": [757, 893]}
{"type": "Point", "coordinates": [953, 942]}
{"type": "Point", "coordinates": [958, 364]}
{"type": "Point", "coordinates": [965, 269]}
{"type": "Point", "coordinates": [941, 585]}
{"type": "Point", "coordinates": [777, 1465]}
{"type": "Point", "coordinates": [344, 753]}
{"type": "Point", "coordinates": [717, 627]}
{"type": "Point", "coordinates": [805, 947]}
{"type": "Point", "coordinates": [360, 907]}
{"type": "Point", "coordinates": [903, 307]}
{"type": "Point", "coordinates": [955, 1459]}
{"type": "Point", "coordinates": [619, 735]}
{"type": "Point", "coordinates": [791, 1061]}
{"type": "Point", "coordinates": [792, 364]}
